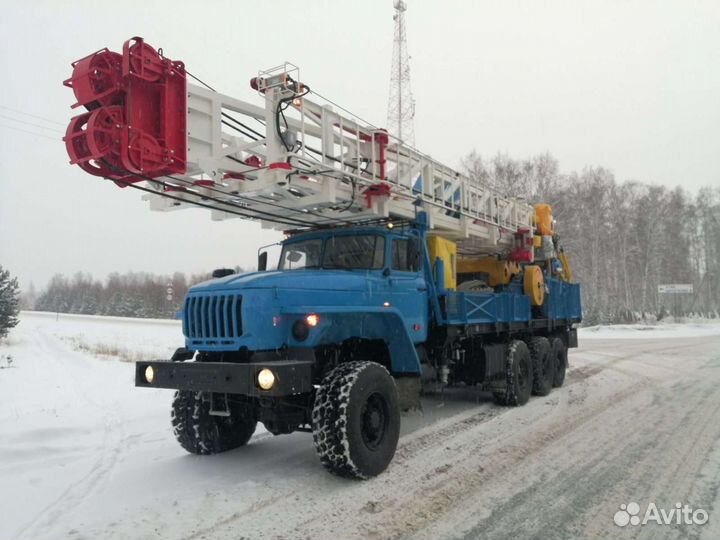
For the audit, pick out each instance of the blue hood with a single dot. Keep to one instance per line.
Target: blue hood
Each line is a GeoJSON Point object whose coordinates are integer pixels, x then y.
{"type": "Point", "coordinates": [316, 280]}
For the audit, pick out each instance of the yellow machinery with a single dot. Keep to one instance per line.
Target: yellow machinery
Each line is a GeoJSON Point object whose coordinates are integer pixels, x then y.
{"type": "Point", "coordinates": [566, 270]}
{"type": "Point", "coordinates": [498, 272]}
{"type": "Point", "coordinates": [543, 219]}
{"type": "Point", "coordinates": [534, 284]}
{"type": "Point", "coordinates": [502, 271]}
{"type": "Point", "coordinates": [544, 245]}
{"type": "Point", "coordinates": [445, 250]}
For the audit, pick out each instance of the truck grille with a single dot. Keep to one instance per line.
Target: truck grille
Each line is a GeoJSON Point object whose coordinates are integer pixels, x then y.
{"type": "Point", "coordinates": [213, 316]}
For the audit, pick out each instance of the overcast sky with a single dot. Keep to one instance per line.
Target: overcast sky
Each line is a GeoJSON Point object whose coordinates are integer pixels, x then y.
{"type": "Point", "coordinates": [630, 85]}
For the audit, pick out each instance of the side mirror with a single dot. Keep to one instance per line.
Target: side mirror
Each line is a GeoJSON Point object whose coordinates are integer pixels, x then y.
{"type": "Point", "coordinates": [262, 261]}
{"type": "Point", "coordinates": [222, 272]}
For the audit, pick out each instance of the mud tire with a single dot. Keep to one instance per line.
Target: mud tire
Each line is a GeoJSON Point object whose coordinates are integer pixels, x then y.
{"type": "Point", "coordinates": [518, 376]}
{"type": "Point", "coordinates": [543, 365]}
{"type": "Point", "coordinates": [201, 433]}
{"type": "Point", "coordinates": [356, 420]}
{"type": "Point", "coordinates": [559, 352]}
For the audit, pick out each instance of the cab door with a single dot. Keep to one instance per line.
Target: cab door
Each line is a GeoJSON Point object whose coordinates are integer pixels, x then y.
{"type": "Point", "coordinates": [405, 286]}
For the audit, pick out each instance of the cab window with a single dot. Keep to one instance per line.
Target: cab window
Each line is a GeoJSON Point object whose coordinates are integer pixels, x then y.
{"type": "Point", "coordinates": [405, 256]}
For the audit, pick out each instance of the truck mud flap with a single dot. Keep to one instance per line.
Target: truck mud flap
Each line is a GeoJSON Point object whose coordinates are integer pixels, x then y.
{"type": "Point", "coordinates": [572, 338]}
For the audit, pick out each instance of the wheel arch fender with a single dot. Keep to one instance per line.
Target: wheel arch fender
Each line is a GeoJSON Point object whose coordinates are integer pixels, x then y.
{"type": "Point", "coordinates": [338, 324]}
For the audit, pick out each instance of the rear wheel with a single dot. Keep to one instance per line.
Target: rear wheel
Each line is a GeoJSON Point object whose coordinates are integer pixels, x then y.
{"type": "Point", "coordinates": [558, 351]}
{"type": "Point", "coordinates": [518, 375]}
{"type": "Point", "coordinates": [356, 420]}
{"type": "Point", "coordinates": [543, 366]}
{"type": "Point", "coordinates": [199, 432]}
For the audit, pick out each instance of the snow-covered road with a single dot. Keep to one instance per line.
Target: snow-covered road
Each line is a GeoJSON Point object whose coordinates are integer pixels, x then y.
{"type": "Point", "coordinates": [85, 455]}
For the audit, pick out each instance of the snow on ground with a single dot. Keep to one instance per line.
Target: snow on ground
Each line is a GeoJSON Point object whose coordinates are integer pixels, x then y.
{"type": "Point", "coordinates": [85, 455]}
{"type": "Point", "coordinates": [68, 416]}
{"type": "Point", "coordinates": [668, 329]}
{"type": "Point", "coordinates": [119, 337]}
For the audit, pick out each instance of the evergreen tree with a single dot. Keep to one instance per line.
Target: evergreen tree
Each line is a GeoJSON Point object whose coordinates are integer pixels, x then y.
{"type": "Point", "coordinates": [9, 302]}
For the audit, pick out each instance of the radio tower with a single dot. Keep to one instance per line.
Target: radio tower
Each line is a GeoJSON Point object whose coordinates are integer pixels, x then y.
{"type": "Point", "coordinates": [401, 105]}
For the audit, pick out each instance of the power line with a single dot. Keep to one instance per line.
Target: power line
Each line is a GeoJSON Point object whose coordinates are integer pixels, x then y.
{"type": "Point", "coordinates": [32, 115]}
{"type": "Point", "coordinates": [13, 128]}
{"type": "Point", "coordinates": [30, 123]}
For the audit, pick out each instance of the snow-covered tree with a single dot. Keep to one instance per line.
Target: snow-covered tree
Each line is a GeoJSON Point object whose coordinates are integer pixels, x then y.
{"type": "Point", "coordinates": [623, 239]}
{"type": "Point", "coordinates": [9, 302]}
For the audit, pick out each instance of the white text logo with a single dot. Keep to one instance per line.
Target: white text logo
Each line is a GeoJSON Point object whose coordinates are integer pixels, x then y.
{"type": "Point", "coordinates": [680, 514]}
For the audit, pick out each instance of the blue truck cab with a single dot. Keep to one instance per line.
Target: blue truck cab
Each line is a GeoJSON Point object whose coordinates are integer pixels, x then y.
{"type": "Point", "coordinates": [329, 287]}
{"type": "Point", "coordinates": [349, 329]}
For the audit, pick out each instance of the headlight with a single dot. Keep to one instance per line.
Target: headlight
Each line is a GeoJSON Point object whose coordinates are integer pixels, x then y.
{"type": "Point", "coordinates": [265, 379]}
{"type": "Point", "coordinates": [149, 374]}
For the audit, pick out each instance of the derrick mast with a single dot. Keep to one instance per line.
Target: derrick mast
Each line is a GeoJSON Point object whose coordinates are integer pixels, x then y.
{"type": "Point", "coordinates": [297, 160]}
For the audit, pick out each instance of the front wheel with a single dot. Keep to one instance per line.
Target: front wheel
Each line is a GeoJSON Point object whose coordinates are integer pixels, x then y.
{"type": "Point", "coordinates": [200, 432]}
{"type": "Point", "coordinates": [356, 420]}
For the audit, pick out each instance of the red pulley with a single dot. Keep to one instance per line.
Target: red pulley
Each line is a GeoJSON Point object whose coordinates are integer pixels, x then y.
{"type": "Point", "coordinates": [143, 154]}
{"type": "Point", "coordinates": [93, 139]}
{"type": "Point", "coordinates": [103, 132]}
{"type": "Point", "coordinates": [96, 79]}
{"type": "Point", "coordinates": [142, 60]}
{"type": "Point", "coordinates": [76, 139]}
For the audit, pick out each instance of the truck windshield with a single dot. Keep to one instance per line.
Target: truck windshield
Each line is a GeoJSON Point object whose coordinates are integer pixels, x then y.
{"type": "Point", "coordinates": [365, 252]}
{"type": "Point", "coordinates": [299, 255]}
{"type": "Point", "coordinates": [350, 252]}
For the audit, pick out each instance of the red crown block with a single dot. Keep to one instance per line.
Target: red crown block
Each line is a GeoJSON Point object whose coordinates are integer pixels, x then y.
{"type": "Point", "coordinates": [137, 120]}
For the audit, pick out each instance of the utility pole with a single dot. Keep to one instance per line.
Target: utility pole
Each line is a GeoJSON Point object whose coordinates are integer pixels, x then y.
{"type": "Point", "coordinates": [401, 105]}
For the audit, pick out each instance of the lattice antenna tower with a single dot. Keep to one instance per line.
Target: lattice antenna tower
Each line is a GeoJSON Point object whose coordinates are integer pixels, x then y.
{"type": "Point", "coordinates": [401, 105]}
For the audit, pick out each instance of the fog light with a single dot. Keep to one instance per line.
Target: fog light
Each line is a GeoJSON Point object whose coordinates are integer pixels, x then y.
{"type": "Point", "coordinates": [265, 379]}
{"type": "Point", "coordinates": [312, 319]}
{"type": "Point", "coordinates": [149, 374]}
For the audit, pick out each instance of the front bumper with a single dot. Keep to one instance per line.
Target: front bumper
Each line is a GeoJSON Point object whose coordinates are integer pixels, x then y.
{"type": "Point", "coordinates": [291, 377]}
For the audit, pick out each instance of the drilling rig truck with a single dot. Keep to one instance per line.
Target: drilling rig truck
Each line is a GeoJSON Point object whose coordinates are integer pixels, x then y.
{"type": "Point", "coordinates": [397, 274]}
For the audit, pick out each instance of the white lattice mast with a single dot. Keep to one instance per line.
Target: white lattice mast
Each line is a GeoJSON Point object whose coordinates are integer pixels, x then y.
{"type": "Point", "coordinates": [401, 105]}
{"type": "Point", "coordinates": [296, 162]}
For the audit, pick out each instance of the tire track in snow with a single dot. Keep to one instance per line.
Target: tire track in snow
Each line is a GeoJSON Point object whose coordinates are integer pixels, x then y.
{"type": "Point", "coordinates": [437, 472]}
{"type": "Point", "coordinates": [581, 460]}
{"type": "Point", "coordinates": [113, 443]}
{"type": "Point", "coordinates": [428, 440]}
